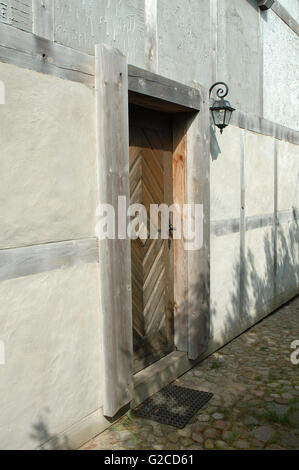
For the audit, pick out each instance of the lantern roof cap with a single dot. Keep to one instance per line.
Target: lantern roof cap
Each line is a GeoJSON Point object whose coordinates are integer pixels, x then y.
{"type": "Point", "coordinates": [222, 104]}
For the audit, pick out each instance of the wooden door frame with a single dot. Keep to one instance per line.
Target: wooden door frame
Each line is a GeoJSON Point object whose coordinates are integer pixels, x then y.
{"type": "Point", "coordinates": [116, 83]}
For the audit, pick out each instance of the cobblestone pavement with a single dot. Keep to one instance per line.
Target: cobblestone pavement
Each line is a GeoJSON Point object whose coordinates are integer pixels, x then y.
{"type": "Point", "coordinates": [255, 403]}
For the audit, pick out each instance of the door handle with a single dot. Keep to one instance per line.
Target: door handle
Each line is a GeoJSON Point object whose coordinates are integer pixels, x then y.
{"type": "Point", "coordinates": [171, 229]}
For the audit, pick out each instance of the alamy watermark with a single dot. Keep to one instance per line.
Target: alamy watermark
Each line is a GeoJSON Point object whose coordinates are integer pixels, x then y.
{"type": "Point", "coordinates": [295, 355]}
{"type": "Point", "coordinates": [163, 221]}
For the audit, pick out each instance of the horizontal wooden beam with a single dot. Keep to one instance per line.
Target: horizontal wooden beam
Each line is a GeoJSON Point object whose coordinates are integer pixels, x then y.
{"type": "Point", "coordinates": [154, 86]}
{"type": "Point", "coordinates": [263, 126]}
{"type": "Point", "coordinates": [284, 15]}
{"type": "Point", "coordinates": [151, 90]}
{"type": "Point", "coordinates": [289, 216]}
{"type": "Point", "coordinates": [155, 104]}
{"type": "Point", "coordinates": [30, 51]}
{"type": "Point", "coordinates": [29, 260]}
{"type": "Point", "coordinates": [227, 226]}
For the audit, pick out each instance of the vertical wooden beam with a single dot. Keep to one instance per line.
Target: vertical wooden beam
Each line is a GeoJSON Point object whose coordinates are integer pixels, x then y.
{"type": "Point", "coordinates": [242, 306]}
{"type": "Point", "coordinates": [275, 221]}
{"type": "Point", "coordinates": [43, 18]}
{"type": "Point", "coordinates": [261, 62]}
{"type": "Point", "coordinates": [151, 35]}
{"type": "Point", "coordinates": [111, 79]}
{"type": "Point", "coordinates": [180, 255]}
{"type": "Point", "coordinates": [198, 192]}
{"type": "Point", "coordinates": [214, 38]}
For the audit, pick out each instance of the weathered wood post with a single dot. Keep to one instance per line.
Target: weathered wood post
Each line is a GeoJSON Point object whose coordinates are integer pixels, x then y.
{"type": "Point", "coordinates": [111, 82]}
{"type": "Point", "coordinates": [198, 192]}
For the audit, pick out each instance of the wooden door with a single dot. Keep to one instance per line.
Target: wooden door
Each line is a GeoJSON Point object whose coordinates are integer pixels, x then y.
{"type": "Point", "coordinates": [152, 259]}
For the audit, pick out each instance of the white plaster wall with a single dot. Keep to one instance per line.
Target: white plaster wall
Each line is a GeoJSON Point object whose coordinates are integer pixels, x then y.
{"type": "Point", "coordinates": [259, 174]}
{"type": "Point", "coordinates": [81, 24]}
{"type": "Point", "coordinates": [184, 45]}
{"type": "Point", "coordinates": [288, 176]}
{"type": "Point", "coordinates": [47, 159]}
{"type": "Point", "coordinates": [281, 52]}
{"type": "Point", "coordinates": [225, 275]}
{"type": "Point", "coordinates": [287, 199]}
{"type": "Point", "coordinates": [225, 173]}
{"type": "Point", "coordinates": [259, 272]}
{"type": "Point", "coordinates": [238, 46]}
{"type": "Point", "coordinates": [184, 40]}
{"type": "Point", "coordinates": [259, 243]}
{"type": "Point", "coordinates": [52, 377]}
{"type": "Point", "coordinates": [228, 316]}
{"type": "Point", "coordinates": [225, 202]}
{"type": "Point", "coordinates": [181, 27]}
{"type": "Point", "coordinates": [49, 322]}
{"type": "Point", "coordinates": [287, 256]}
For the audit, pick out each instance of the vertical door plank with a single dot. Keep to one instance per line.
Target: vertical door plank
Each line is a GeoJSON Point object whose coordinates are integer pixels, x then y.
{"type": "Point", "coordinates": [180, 255]}
{"type": "Point", "coordinates": [152, 259]}
{"type": "Point", "coordinates": [114, 255]}
{"type": "Point", "coordinates": [169, 244]}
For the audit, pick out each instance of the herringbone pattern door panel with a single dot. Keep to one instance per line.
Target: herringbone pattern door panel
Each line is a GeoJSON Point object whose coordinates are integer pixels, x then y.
{"type": "Point", "coordinates": [150, 160]}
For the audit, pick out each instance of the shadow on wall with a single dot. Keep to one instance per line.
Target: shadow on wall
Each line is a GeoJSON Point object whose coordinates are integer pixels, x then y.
{"type": "Point", "coordinates": [214, 146]}
{"type": "Point", "coordinates": [249, 298]}
{"type": "Point", "coordinates": [41, 434]}
{"type": "Point", "coordinates": [249, 293]}
{"type": "Point", "coordinates": [252, 293]}
{"type": "Point", "coordinates": [250, 301]}
{"type": "Point", "coordinates": [239, 314]}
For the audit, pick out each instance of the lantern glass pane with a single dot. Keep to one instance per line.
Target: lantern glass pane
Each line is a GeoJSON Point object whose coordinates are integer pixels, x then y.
{"type": "Point", "coordinates": [227, 117]}
{"type": "Point", "coordinates": [218, 116]}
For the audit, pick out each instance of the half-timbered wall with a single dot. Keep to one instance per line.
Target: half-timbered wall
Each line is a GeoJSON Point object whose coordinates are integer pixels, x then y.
{"type": "Point", "coordinates": [54, 289]}
{"type": "Point", "coordinates": [198, 40]}
{"type": "Point", "coordinates": [49, 289]}
{"type": "Point", "coordinates": [254, 229]}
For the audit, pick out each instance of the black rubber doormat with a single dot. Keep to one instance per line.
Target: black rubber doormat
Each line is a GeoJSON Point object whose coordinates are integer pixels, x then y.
{"type": "Point", "coordinates": [173, 405]}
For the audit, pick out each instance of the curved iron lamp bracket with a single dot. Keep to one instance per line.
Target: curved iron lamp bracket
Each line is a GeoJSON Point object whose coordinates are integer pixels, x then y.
{"type": "Point", "coordinates": [221, 92]}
